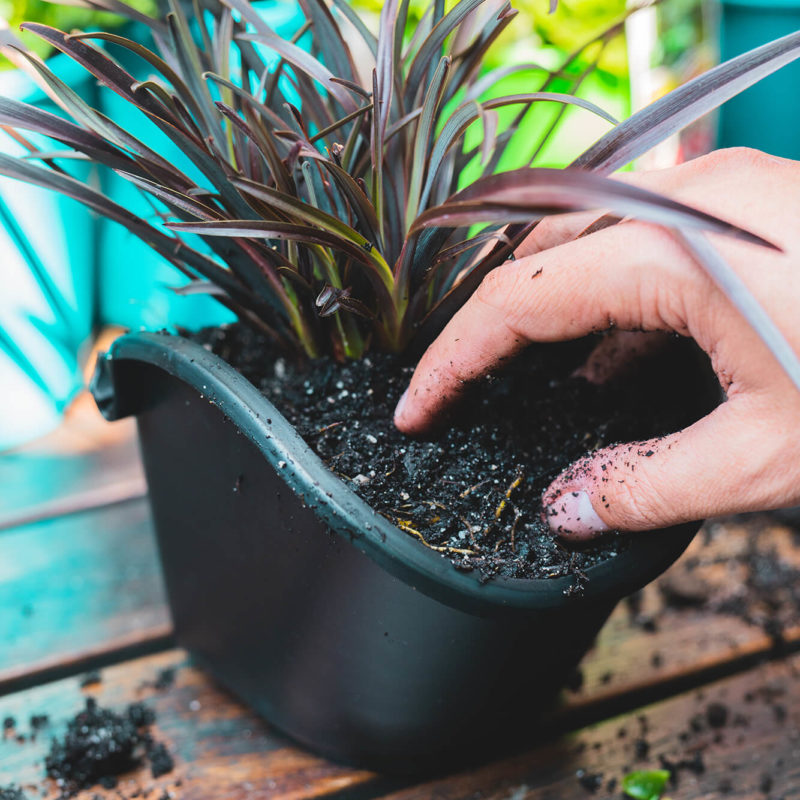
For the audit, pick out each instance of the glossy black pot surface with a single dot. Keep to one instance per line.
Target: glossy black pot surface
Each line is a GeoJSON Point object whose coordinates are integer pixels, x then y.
{"type": "Point", "coordinates": [337, 627]}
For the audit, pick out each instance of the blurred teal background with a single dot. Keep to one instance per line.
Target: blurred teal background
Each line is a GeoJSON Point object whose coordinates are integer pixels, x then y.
{"type": "Point", "coordinates": [766, 116]}
{"type": "Point", "coordinates": [47, 245]}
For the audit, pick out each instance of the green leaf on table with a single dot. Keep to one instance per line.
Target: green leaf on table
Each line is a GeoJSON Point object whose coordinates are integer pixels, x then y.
{"type": "Point", "coordinates": [645, 784]}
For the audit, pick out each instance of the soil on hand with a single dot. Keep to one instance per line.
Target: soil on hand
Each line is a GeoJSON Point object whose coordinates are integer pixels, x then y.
{"type": "Point", "coordinates": [473, 491]}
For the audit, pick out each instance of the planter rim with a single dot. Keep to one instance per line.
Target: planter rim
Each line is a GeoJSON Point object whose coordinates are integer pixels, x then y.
{"type": "Point", "coordinates": [346, 513]}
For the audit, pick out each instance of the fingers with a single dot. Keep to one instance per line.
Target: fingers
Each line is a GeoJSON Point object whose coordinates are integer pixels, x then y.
{"type": "Point", "coordinates": [618, 352]}
{"type": "Point", "coordinates": [556, 230]}
{"type": "Point", "coordinates": [730, 461]}
{"type": "Point", "coordinates": [617, 277]}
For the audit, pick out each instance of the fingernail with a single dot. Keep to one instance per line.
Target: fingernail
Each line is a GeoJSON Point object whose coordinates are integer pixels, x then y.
{"type": "Point", "coordinates": [571, 514]}
{"type": "Point", "coordinates": [401, 404]}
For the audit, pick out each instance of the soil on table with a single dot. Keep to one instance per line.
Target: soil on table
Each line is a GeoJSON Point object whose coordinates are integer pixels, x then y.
{"type": "Point", "coordinates": [99, 745]}
{"type": "Point", "coordinates": [748, 568]}
{"type": "Point", "coordinates": [472, 491]}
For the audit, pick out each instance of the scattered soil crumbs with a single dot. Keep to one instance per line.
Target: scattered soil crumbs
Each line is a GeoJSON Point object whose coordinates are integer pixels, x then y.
{"type": "Point", "coordinates": [93, 678]}
{"type": "Point", "coordinates": [100, 745]}
{"type": "Point", "coordinates": [164, 680]}
{"type": "Point", "coordinates": [474, 492]}
{"type": "Point", "coordinates": [591, 781]}
{"type": "Point", "coordinates": [747, 568]}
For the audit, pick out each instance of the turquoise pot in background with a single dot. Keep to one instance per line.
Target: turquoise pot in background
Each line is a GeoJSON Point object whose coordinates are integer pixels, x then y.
{"type": "Point", "coordinates": [47, 260]}
{"type": "Point", "coordinates": [766, 116]}
{"type": "Point", "coordinates": [135, 288]}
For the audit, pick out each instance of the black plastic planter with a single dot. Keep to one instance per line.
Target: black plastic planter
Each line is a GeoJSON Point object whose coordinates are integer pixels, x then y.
{"type": "Point", "coordinates": [337, 627]}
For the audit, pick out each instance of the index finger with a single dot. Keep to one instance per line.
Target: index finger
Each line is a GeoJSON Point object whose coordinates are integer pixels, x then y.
{"type": "Point", "coordinates": [615, 277]}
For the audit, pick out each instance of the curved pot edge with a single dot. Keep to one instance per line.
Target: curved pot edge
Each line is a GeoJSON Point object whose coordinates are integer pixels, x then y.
{"type": "Point", "coordinates": [345, 512]}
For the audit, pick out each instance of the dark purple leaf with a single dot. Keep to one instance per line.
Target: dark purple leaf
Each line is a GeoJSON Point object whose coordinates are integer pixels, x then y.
{"type": "Point", "coordinates": [682, 106]}
{"type": "Point", "coordinates": [742, 298]}
{"type": "Point", "coordinates": [533, 191]}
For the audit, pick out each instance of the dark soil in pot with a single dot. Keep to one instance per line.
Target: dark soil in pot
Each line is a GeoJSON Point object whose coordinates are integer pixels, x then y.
{"type": "Point", "coordinates": [473, 492]}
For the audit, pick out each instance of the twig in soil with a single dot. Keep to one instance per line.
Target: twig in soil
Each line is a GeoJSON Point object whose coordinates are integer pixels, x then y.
{"type": "Point", "coordinates": [320, 431]}
{"type": "Point", "coordinates": [556, 572]}
{"type": "Point", "coordinates": [434, 504]}
{"type": "Point", "coordinates": [575, 570]}
{"type": "Point", "coordinates": [514, 484]}
{"type": "Point", "coordinates": [517, 517]}
{"type": "Point", "coordinates": [466, 524]}
{"type": "Point", "coordinates": [471, 489]}
{"type": "Point", "coordinates": [405, 525]}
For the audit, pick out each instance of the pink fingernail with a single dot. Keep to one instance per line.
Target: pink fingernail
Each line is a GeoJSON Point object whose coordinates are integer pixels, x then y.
{"type": "Point", "coordinates": [401, 404]}
{"type": "Point", "coordinates": [571, 514]}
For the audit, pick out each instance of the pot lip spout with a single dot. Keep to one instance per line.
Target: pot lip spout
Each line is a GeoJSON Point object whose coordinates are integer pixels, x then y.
{"type": "Point", "coordinates": [345, 512]}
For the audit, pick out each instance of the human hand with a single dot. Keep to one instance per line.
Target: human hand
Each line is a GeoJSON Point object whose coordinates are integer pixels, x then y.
{"type": "Point", "coordinates": [743, 456]}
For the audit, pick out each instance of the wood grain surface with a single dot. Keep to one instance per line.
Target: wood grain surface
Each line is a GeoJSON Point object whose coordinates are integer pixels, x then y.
{"type": "Point", "coordinates": [754, 753]}
{"type": "Point", "coordinates": [221, 750]}
{"type": "Point", "coordinates": [74, 588]}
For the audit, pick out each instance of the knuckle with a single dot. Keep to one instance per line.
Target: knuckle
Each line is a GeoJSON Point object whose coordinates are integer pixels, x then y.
{"type": "Point", "coordinates": [734, 158]}
{"type": "Point", "coordinates": [499, 288]}
{"type": "Point", "coordinates": [636, 503]}
{"type": "Point", "coordinates": [654, 238]}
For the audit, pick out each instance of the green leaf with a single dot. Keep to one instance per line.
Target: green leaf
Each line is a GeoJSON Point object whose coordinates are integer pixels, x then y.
{"type": "Point", "coordinates": [645, 784]}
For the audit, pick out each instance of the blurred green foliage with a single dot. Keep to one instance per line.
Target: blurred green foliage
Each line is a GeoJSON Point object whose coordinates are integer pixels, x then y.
{"type": "Point", "coordinates": [65, 18]}
{"type": "Point", "coordinates": [565, 42]}
{"type": "Point", "coordinates": [573, 24]}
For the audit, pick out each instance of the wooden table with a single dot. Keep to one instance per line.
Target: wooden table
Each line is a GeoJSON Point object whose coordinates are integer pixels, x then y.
{"type": "Point", "coordinates": [80, 589]}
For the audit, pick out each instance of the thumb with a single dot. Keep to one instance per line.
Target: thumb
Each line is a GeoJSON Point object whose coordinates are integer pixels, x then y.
{"type": "Point", "coordinates": [725, 463]}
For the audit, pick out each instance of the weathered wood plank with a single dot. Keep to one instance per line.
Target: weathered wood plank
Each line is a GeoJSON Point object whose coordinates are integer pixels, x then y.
{"type": "Point", "coordinates": [753, 753]}
{"type": "Point", "coordinates": [77, 587]}
{"type": "Point", "coordinates": [723, 601]}
{"type": "Point", "coordinates": [220, 749]}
